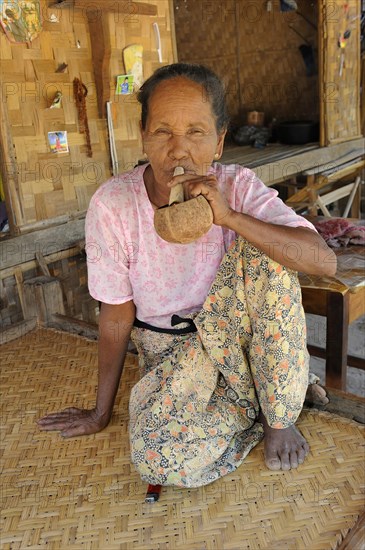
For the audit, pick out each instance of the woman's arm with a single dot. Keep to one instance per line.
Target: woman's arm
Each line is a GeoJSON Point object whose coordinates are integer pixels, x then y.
{"type": "Point", "coordinates": [298, 248]}
{"type": "Point", "coordinates": [115, 325]}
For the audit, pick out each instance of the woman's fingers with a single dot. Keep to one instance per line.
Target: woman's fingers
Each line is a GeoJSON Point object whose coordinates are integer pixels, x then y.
{"type": "Point", "coordinates": [208, 187]}
{"type": "Point", "coordinates": [61, 415]}
{"type": "Point", "coordinates": [56, 425]}
{"type": "Point", "coordinates": [72, 421]}
{"type": "Point", "coordinates": [61, 420]}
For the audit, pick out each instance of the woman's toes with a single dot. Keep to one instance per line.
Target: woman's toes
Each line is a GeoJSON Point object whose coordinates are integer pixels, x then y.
{"type": "Point", "coordinates": [273, 462]}
{"type": "Point", "coordinates": [294, 460]}
{"type": "Point", "coordinates": [285, 461]}
{"type": "Point", "coordinates": [302, 453]}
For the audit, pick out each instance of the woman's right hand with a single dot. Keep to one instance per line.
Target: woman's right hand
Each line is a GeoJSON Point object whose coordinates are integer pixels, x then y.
{"type": "Point", "coordinates": [73, 421]}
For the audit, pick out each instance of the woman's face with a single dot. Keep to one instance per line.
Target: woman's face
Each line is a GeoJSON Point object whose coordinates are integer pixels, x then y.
{"type": "Point", "coordinates": [180, 129]}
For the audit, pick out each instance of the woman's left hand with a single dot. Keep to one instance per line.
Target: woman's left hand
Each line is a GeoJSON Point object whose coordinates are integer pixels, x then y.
{"type": "Point", "coordinates": [207, 186]}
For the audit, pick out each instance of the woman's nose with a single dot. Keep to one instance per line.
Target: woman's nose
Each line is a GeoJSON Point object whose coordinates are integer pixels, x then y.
{"type": "Point", "coordinates": [178, 147]}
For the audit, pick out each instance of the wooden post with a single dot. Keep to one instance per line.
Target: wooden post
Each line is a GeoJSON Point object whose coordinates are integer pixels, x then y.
{"type": "Point", "coordinates": [101, 52]}
{"type": "Point", "coordinates": [43, 298]}
{"type": "Point", "coordinates": [9, 169]}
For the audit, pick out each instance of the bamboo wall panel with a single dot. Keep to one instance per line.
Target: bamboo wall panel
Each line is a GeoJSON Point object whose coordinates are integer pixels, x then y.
{"type": "Point", "coordinates": [340, 109]}
{"type": "Point", "coordinates": [255, 52]}
{"type": "Point", "coordinates": [206, 33]}
{"type": "Point", "coordinates": [50, 184]}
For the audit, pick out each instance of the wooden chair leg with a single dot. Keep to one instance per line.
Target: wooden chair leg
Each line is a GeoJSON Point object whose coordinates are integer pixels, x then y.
{"type": "Point", "coordinates": [356, 203]}
{"type": "Point", "coordinates": [337, 340]}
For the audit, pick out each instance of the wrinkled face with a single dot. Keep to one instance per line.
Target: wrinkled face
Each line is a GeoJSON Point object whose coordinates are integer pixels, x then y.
{"type": "Point", "coordinates": [180, 129]}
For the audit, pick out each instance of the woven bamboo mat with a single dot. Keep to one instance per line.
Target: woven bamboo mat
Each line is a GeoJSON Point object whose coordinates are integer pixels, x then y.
{"type": "Point", "coordinates": [84, 492]}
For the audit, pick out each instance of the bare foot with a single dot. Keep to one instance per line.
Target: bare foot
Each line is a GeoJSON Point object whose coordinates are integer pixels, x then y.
{"type": "Point", "coordinates": [283, 449]}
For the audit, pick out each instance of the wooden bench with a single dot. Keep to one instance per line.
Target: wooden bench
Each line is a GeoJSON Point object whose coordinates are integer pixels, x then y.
{"type": "Point", "coordinates": [341, 299]}
{"type": "Point", "coordinates": [320, 178]}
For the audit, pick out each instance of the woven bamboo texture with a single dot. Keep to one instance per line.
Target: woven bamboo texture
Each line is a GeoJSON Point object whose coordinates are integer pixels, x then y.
{"type": "Point", "coordinates": [48, 185]}
{"type": "Point", "coordinates": [84, 492]}
{"type": "Point", "coordinates": [340, 89]}
{"type": "Point", "coordinates": [254, 51]}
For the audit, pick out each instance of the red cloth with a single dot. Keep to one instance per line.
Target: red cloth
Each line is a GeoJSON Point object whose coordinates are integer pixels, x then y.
{"type": "Point", "coordinates": [341, 232]}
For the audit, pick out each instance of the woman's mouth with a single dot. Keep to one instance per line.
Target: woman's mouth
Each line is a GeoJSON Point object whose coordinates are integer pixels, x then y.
{"type": "Point", "coordinates": [187, 170]}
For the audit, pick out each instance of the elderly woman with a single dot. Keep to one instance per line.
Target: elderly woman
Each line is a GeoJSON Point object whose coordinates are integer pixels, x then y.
{"type": "Point", "coordinates": [218, 323]}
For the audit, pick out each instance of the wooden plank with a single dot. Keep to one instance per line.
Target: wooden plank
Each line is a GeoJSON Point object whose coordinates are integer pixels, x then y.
{"type": "Point", "coordinates": [355, 538]}
{"type": "Point", "coordinates": [19, 284]}
{"type": "Point", "coordinates": [339, 162]}
{"type": "Point", "coordinates": [75, 326]}
{"type": "Point", "coordinates": [322, 181]}
{"type": "Point", "coordinates": [275, 172]}
{"type": "Point", "coordinates": [26, 266]}
{"type": "Point", "coordinates": [23, 248]}
{"type": "Point", "coordinates": [173, 31]}
{"type": "Point", "coordinates": [114, 6]}
{"type": "Point", "coordinates": [336, 195]}
{"type": "Point", "coordinates": [53, 298]}
{"type": "Point", "coordinates": [9, 168]}
{"type": "Point", "coordinates": [57, 221]}
{"type": "Point", "coordinates": [321, 62]}
{"type": "Point", "coordinates": [101, 53]}
{"type": "Point", "coordinates": [343, 403]}
{"type": "Point", "coordinates": [42, 263]}
{"type": "Point", "coordinates": [314, 301]}
{"type": "Point", "coordinates": [356, 303]}
{"type": "Point", "coordinates": [352, 360]}
{"type": "Point", "coordinates": [17, 330]}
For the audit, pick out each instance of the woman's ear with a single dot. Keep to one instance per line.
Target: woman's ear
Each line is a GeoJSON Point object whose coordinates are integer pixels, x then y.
{"type": "Point", "coordinates": [220, 143]}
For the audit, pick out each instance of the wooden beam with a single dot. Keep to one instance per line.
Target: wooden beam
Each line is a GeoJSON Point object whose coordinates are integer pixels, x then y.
{"type": "Point", "coordinates": [342, 403]}
{"type": "Point", "coordinates": [355, 536]}
{"type": "Point", "coordinates": [23, 248]}
{"type": "Point", "coordinates": [271, 172]}
{"type": "Point", "coordinates": [9, 167]}
{"type": "Point", "coordinates": [113, 6]}
{"type": "Point", "coordinates": [52, 222]}
{"type": "Point", "coordinates": [352, 360]}
{"type": "Point", "coordinates": [17, 330]}
{"type": "Point", "coordinates": [75, 326]}
{"type": "Point", "coordinates": [33, 264]}
{"type": "Point", "coordinates": [101, 52]}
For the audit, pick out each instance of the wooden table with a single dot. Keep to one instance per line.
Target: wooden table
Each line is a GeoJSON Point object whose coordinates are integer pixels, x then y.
{"type": "Point", "coordinates": [341, 299]}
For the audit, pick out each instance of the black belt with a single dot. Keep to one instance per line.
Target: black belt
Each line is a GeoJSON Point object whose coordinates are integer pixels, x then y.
{"type": "Point", "coordinates": [175, 320]}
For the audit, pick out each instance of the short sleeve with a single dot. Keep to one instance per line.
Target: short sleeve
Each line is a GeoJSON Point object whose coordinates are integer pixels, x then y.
{"type": "Point", "coordinates": [107, 263]}
{"type": "Point", "coordinates": [254, 198]}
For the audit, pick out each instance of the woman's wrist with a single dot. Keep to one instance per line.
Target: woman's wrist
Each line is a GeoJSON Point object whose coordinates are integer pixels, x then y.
{"type": "Point", "coordinates": [228, 220]}
{"type": "Point", "coordinates": [103, 415]}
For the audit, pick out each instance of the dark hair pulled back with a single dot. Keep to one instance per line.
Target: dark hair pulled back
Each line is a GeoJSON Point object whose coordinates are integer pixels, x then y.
{"type": "Point", "coordinates": [212, 86]}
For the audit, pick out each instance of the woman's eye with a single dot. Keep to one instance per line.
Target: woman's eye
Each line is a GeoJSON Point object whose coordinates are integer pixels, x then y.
{"type": "Point", "coordinates": [162, 132]}
{"type": "Point", "coordinates": [196, 132]}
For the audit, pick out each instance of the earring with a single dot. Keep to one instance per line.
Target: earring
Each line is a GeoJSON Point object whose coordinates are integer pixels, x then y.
{"type": "Point", "coordinates": [216, 156]}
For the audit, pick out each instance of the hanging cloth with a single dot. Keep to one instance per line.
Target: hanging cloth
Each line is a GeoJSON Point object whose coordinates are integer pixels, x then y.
{"type": "Point", "coordinates": [80, 93]}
